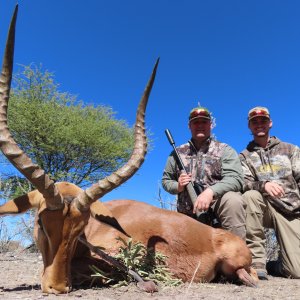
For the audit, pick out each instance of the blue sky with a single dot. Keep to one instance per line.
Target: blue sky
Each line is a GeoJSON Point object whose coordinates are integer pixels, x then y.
{"type": "Point", "coordinates": [228, 55]}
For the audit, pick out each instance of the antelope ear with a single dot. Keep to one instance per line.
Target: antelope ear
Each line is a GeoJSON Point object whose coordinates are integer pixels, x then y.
{"type": "Point", "coordinates": [21, 204]}
{"type": "Point", "coordinates": [102, 214]}
{"type": "Point", "coordinates": [99, 209]}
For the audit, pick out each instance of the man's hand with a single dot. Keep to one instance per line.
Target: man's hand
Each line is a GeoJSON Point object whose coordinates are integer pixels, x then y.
{"type": "Point", "coordinates": [183, 180]}
{"type": "Point", "coordinates": [204, 200]}
{"type": "Point", "coordinates": [274, 189]}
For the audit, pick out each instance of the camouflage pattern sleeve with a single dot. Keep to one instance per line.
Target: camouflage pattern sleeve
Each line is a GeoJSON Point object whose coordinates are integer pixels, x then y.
{"type": "Point", "coordinates": [232, 174]}
{"type": "Point", "coordinates": [250, 178]}
{"type": "Point", "coordinates": [170, 176]}
{"type": "Point", "coordinates": [295, 162]}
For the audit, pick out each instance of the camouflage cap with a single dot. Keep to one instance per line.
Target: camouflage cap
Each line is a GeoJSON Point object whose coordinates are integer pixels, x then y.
{"type": "Point", "coordinates": [258, 111]}
{"type": "Point", "coordinates": [199, 112]}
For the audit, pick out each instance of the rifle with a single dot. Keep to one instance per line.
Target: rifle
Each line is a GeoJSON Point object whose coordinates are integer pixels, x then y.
{"type": "Point", "coordinates": [206, 216]}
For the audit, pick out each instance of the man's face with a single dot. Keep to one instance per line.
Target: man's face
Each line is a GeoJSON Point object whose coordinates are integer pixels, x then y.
{"type": "Point", "coordinates": [260, 126]}
{"type": "Point", "coordinates": [200, 129]}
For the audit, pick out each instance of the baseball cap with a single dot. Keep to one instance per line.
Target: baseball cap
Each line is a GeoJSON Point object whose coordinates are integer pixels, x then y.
{"type": "Point", "coordinates": [199, 112]}
{"type": "Point", "coordinates": [258, 111]}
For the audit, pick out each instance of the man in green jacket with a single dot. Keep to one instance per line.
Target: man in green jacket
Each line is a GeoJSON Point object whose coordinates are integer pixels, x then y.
{"type": "Point", "coordinates": [215, 167]}
{"type": "Point", "coordinates": [272, 180]}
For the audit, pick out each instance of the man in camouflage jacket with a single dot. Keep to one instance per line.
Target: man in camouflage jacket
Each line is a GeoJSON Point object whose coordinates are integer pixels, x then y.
{"type": "Point", "coordinates": [272, 180]}
{"type": "Point", "coordinates": [216, 168]}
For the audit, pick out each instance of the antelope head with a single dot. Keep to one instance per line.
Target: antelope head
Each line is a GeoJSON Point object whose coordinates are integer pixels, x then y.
{"type": "Point", "coordinates": [63, 209]}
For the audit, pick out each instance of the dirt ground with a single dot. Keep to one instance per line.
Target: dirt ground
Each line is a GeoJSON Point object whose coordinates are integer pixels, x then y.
{"type": "Point", "coordinates": [20, 273]}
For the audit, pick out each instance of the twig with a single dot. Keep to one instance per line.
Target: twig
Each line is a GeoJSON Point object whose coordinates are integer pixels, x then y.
{"type": "Point", "coordinates": [196, 270]}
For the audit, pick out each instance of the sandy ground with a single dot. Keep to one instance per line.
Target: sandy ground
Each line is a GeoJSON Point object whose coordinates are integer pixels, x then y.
{"type": "Point", "coordinates": [20, 279]}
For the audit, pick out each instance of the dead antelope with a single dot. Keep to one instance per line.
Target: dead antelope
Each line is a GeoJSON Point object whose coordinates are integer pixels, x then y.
{"type": "Point", "coordinates": [63, 209]}
{"type": "Point", "coordinates": [195, 251]}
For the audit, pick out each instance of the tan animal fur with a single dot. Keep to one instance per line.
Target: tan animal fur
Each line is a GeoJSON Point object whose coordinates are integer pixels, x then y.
{"type": "Point", "coordinates": [185, 241]}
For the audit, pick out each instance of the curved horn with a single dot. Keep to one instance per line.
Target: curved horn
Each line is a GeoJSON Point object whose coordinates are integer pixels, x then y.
{"type": "Point", "coordinates": [99, 189]}
{"type": "Point", "coordinates": [8, 145]}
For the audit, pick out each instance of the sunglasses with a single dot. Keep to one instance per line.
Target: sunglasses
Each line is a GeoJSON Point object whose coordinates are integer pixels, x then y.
{"type": "Point", "coordinates": [259, 113]}
{"type": "Point", "coordinates": [200, 113]}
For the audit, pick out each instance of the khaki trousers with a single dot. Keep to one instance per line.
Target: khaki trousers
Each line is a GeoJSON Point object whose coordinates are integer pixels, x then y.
{"type": "Point", "coordinates": [230, 210]}
{"type": "Point", "coordinates": [261, 214]}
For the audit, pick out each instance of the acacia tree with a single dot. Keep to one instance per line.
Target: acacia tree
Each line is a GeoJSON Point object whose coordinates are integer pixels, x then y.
{"type": "Point", "coordinates": [69, 140]}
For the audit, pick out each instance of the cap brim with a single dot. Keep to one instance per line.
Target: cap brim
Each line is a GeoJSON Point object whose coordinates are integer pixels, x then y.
{"type": "Point", "coordinates": [257, 116]}
{"type": "Point", "coordinates": [199, 117]}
